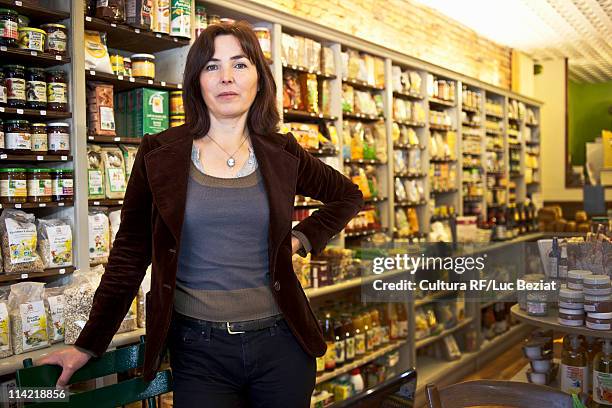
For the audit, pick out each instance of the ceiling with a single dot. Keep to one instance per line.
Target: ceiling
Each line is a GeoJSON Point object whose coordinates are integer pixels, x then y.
{"type": "Point", "coordinates": [580, 30]}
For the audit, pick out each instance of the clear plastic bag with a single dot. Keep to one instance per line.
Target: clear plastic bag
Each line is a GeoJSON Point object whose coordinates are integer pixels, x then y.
{"type": "Point", "coordinates": [19, 241]}
{"type": "Point", "coordinates": [55, 243]}
{"type": "Point", "coordinates": [28, 317]}
{"type": "Point", "coordinates": [78, 299]}
{"type": "Point", "coordinates": [6, 348]}
{"type": "Point", "coordinates": [54, 306]}
{"type": "Point", "coordinates": [99, 237]}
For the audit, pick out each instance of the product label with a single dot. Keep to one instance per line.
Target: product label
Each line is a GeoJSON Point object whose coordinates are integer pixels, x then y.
{"type": "Point", "coordinates": [16, 88]}
{"type": "Point", "coordinates": [360, 344]}
{"type": "Point", "coordinates": [394, 330]}
{"type": "Point", "coordinates": [34, 324]}
{"type": "Point", "coordinates": [384, 334]}
{"type": "Point", "coordinates": [60, 243]}
{"type": "Point", "coordinates": [56, 41]}
{"type": "Point", "coordinates": [99, 236]}
{"type": "Point", "coordinates": [13, 188]}
{"type": "Point", "coordinates": [22, 241]}
{"type": "Point", "coordinates": [56, 311]}
{"type": "Point", "coordinates": [598, 326]}
{"type": "Point", "coordinates": [181, 18]}
{"type": "Point", "coordinates": [96, 186]}
{"type": "Point", "coordinates": [57, 92]}
{"type": "Point", "coordinates": [4, 328]}
{"type": "Point", "coordinates": [320, 364]}
{"type": "Point", "coordinates": [116, 180]}
{"type": "Point", "coordinates": [63, 187]}
{"type": "Point", "coordinates": [101, 3]}
{"type": "Point", "coordinates": [161, 16]}
{"type": "Point", "coordinates": [554, 271]}
{"type": "Point", "coordinates": [18, 141]}
{"type": "Point", "coordinates": [350, 348]}
{"type": "Point", "coordinates": [59, 141]}
{"type": "Point", "coordinates": [602, 388]}
{"type": "Point", "coordinates": [9, 29]}
{"type": "Point", "coordinates": [536, 308]}
{"type": "Point", "coordinates": [40, 188]}
{"type": "Point", "coordinates": [1, 140]}
{"type": "Point", "coordinates": [330, 356]}
{"type": "Point", "coordinates": [3, 95]}
{"type": "Point", "coordinates": [32, 40]}
{"type": "Point", "coordinates": [574, 379]}
{"type": "Point", "coordinates": [563, 271]}
{"type": "Point", "coordinates": [36, 91]}
{"type": "Point", "coordinates": [39, 142]}
{"type": "Point", "coordinates": [107, 118]}
{"type": "Point", "coordinates": [339, 354]}
{"type": "Point", "coordinates": [403, 328]}
{"type": "Point", "coordinates": [370, 338]}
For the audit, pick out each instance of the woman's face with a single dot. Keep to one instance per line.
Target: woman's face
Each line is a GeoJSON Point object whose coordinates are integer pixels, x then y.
{"type": "Point", "coordinates": [229, 80]}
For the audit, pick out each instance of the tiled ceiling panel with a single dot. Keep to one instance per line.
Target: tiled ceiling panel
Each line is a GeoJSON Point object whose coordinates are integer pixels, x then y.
{"type": "Point", "coordinates": [580, 30]}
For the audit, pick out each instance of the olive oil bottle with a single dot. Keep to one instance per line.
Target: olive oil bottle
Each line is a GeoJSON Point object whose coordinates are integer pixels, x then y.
{"type": "Point", "coordinates": [602, 376]}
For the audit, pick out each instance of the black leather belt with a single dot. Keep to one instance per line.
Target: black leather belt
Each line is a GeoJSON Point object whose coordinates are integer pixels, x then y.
{"type": "Point", "coordinates": [236, 327]}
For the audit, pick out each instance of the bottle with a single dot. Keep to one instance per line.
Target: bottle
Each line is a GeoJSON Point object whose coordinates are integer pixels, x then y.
{"type": "Point", "coordinates": [384, 325]}
{"type": "Point", "coordinates": [402, 320]}
{"type": "Point", "coordinates": [553, 259]}
{"type": "Point", "coordinates": [563, 266]}
{"type": "Point", "coordinates": [340, 344]}
{"type": "Point", "coordinates": [357, 381]}
{"type": "Point", "coordinates": [369, 330]}
{"type": "Point", "coordinates": [330, 340]}
{"type": "Point", "coordinates": [376, 329]}
{"type": "Point", "coordinates": [349, 337]}
{"type": "Point", "coordinates": [574, 365]}
{"type": "Point", "coordinates": [360, 335]}
{"type": "Point", "coordinates": [602, 376]}
{"type": "Point", "coordinates": [321, 360]}
{"type": "Point", "coordinates": [593, 346]}
{"type": "Point", "coordinates": [393, 324]}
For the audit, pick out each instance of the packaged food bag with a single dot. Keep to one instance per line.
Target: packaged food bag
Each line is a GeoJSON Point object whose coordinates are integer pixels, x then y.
{"type": "Point", "coordinates": [114, 172]}
{"type": "Point", "coordinates": [115, 222]}
{"type": "Point", "coordinates": [95, 172]}
{"type": "Point", "coordinates": [96, 53]}
{"type": "Point", "coordinates": [54, 306]}
{"type": "Point", "coordinates": [99, 237]}
{"type": "Point", "coordinates": [78, 299]}
{"type": "Point", "coordinates": [28, 317]}
{"type": "Point", "coordinates": [6, 348]}
{"type": "Point", "coordinates": [55, 243]}
{"type": "Point", "coordinates": [19, 241]}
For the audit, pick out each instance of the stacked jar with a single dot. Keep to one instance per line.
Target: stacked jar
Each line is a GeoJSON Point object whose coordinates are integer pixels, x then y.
{"type": "Point", "coordinates": [571, 307]}
{"type": "Point", "coordinates": [598, 302]}
{"type": "Point", "coordinates": [17, 33]}
{"type": "Point", "coordinates": [177, 109]}
{"type": "Point", "coordinates": [34, 88]}
{"type": "Point", "coordinates": [22, 137]}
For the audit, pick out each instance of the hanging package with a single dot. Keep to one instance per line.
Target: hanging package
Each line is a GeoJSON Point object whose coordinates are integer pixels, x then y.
{"type": "Point", "coordinates": [28, 317]}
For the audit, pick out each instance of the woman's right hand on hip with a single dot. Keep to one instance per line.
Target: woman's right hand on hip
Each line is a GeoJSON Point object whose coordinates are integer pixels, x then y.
{"type": "Point", "coordinates": [70, 359]}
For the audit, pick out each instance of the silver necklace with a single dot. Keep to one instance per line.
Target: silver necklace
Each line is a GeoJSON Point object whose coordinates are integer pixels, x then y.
{"type": "Point", "coordinates": [231, 162]}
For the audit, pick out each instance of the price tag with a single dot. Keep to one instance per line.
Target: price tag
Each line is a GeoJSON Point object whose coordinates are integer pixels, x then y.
{"type": "Point", "coordinates": [120, 77]}
{"type": "Point", "coordinates": [90, 137]}
{"type": "Point", "coordinates": [1, 109]}
{"type": "Point", "coordinates": [24, 276]}
{"type": "Point", "coordinates": [92, 73]}
{"type": "Point", "coordinates": [17, 205]}
{"type": "Point", "coordinates": [42, 205]}
{"type": "Point", "coordinates": [120, 202]}
{"type": "Point", "coordinates": [137, 30]}
{"type": "Point", "coordinates": [180, 86]}
{"type": "Point", "coordinates": [62, 271]}
{"type": "Point", "coordinates": [175, 39]}
{"type": "Point", "coordinates": [33, 53]}
{"type": "Point", "coordinates": [18, 3]}
{"type": "Point", "coordinates": [158, 35]}
{"type": "Point", "coordinates": [132, 79]}
{"type": "Point", "coordinates": [96, 203]}
{"type": "Point", "coordinates": [40, 158]}
{"type": "Point", "coordinates": [150, 81]}
{"type": "Point", "coordinates": [87, 18]}
{"type": "Point", "coordinates": [43, 113]}
{"type": "Point", "coordinates": [58, 57]}
{"type": "Point", "coordinates": [20, 111]}
{"type": "Point", "coordinates": [3, 48]}
{"type": "Point", "coordinates": [60, 204]}
{"type": "Point", "coordinates": [113, 25]}
{"type": "Point", "coordinates": [3, 156]}
{"type": "Point", "coordinates": [117, 139]}
{"type": "Point", "coordinates": [64, 158]}
{"type": "Point", "coordinates": [163, 83]}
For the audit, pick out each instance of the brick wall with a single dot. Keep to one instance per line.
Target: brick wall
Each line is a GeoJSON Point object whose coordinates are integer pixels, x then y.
{"type": "Point", "coordinates": [410, 28]}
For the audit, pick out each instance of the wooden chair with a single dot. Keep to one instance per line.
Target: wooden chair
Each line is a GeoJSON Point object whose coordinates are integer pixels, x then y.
{"type": "Point", "coordinates": [112, 362]}
{"type": "Point", "coordinates": [500, 393]}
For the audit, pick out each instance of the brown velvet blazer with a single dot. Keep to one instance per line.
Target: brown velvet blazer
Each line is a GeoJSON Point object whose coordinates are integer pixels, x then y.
{"type": "Point", "coordinates": [150, 233]}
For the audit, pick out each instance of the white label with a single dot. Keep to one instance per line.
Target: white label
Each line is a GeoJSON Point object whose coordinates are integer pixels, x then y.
{"type": "Point", "coordinates": [163, 83]}
{"type": "Point", "coordinates": [116, 179]}
{"type": "Point", "coordinates": [64, 158]}
{"type": "Point", "coordinates": [18, 140]}
{"type": "Point", "coordinates": [132, 79]}
{"type": "Point", "coordinates": [18, 3]}
{"type": "Point", "coordinates": [39, 142]}
{"type": "Point", "coordinates": [137, 30]}
{"type": "Point", "coordinates": [22, 241]}
{"type": "Point", "coordinates": [34, 325]}
{"type": "Point", "coordinates": [95, 182]}
{"type": "Point", "coordinates": [602, 388]}
{"type": "Point", "coordinates": [58, 57]}
{"type": "Point", "coordinates": [574, 379]}
{"type": "Point", "coordinates": [13, 188]}
{"type": "Point", "coordinates": [87, 18]}
{"type": "Point", "coordinates": [92, 72]}
{"type": "Point", "coordinates": [120, 77]}
{"type": "Point", "coordinates": [59, 142]}
{"type": "Point", "coordinates": [99, 236]}
{"type": "Point", "coordinates": [554, 272]}
{"type": "Point", "coordinates": [3, 48]}
{"type": "Point", "coordinates": [62, 271]}
{"type": "Point", "coordinates": [107, 118]}
{"type": "Point", "coordinates": [40, 158]}
{"type": "Point", "coordinates": [60, 242]}
{"type": "Point", "coordinates": [41, 205]}
{"type": "Point", "coordinates": [5, 345]}
{"type": "Point", "coordinates": [40, 188]}
{"type": "Point", "coordinates": [56, 311]}
{"type": "Point", "coordinates": [20, 111]}
{"type": "Point", "coordinates": [24, 276]}
{"type": "Point", "coordinates": [43, 113]}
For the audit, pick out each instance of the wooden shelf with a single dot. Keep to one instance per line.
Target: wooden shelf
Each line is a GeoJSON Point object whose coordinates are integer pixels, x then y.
{"type": "Point", "coordinates": [41, 115]}
{"type": "Point", "coordinates": [532, 124]}
{"type": "Point", "coordinates": [105, 203]}
{"type": "Point", "coordinates": [473, 199]}
{"type": "Point", "coordinates": [494, 132]}
{"type": "Point", "coordinates": [114, 139]}
{"type": "Point", "coordinates": [429, 340]}
{"type": "Point", "coordinates": [494, 115]}
{"type": "Point", "coordinates": [410, 203]}
{"type": "Point", "coordinates": [449, 191]}
{"type": "Point", "coordinates": [469, 109]}
{"type": "Point", "coordinates": [122, 83]}
{"type": "Point", "coordinates": [356, 83]}
{"type": "Point", "coordinates": [363, 161]}
{"type": "Point", "coordinates": [32, 58]}
{"type": "Point", "coordinates": [409, 123]}
{"type": "Point", "coordinates": [325, 152]}
{"type": "Point", "coordinates": [471, 124]}
{"type": "Point", "coordinates": [435, 160]}
{"type": "Point", "coordinates": [38, 205]}
{"type": "Point", "coordinates": [434, 297]}
{"type": "Point", "coordinates": [318, 73]}
{"type": "Point", "coordinates": [410, 175]}
{"type": "Point", "coordinates": [124, 37]}
{"type": "Point", "coordinates": [308, 204]}
{"type": "Point", "coordinates": [34, 158]}
{"type": "Point", "coordinates": [375, 200]}
{"type": "Point", "coordinates": [441, 102]}
{"type": "Point", "coordinates": [443, 128]}
{"type": "Point", "coordinates": [408, 147]}
{"type": "Point", "coordinates": [350, 283]}
{"type": "Point", "coordinates": [357, 234]}
{"type": "Point", "coordinates": [16, 277]}
{"type": "Point", "coordinates": [36, 12]}
{"type": "Point", "coordinates": [359, 362]}
{"type": "Point", "coordinates": [301, 115]}
{"type": "Point", "coordinates": [362, 117]}
{"type": "Point", "coordinates": [408, 95]}
{"type": "Point", "coordinates": [437, 218]}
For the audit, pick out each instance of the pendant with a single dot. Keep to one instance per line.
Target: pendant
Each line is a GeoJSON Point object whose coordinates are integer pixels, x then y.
{"type": "Point", "coordinates": [231, 162]}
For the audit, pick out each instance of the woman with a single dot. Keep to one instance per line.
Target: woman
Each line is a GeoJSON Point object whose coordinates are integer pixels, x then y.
{"type": "Point", "coordinates": [210, 204]}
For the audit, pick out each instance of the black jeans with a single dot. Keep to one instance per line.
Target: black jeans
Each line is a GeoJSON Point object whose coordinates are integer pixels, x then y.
{"type": "Point", "coordinates": [260, 369]}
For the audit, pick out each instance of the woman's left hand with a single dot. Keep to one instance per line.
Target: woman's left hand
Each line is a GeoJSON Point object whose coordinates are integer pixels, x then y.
{"type": "Point", "coordinates": [295, 245]}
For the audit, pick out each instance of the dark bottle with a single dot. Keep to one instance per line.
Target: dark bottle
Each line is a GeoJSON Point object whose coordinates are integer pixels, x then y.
{"type": "Point", "coordinates": [339, 341]}
{"type": "Point", "coordinates": [349, 337]}
{"type": "Point", "coordinates": [330, 341]}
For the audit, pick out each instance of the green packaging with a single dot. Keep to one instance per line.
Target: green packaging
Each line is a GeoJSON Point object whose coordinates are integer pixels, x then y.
{"type": "Point", "coordinates": [147, 111]}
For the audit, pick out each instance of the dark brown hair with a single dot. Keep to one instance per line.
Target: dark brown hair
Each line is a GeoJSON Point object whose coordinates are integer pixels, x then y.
{"type": "Point", "coordinates": [263, 117]}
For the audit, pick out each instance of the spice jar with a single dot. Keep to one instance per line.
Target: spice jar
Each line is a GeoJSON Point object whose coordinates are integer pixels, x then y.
{"type": "Point", "coordinates": [176, 103]}
{"type": "Point", "coordinates": [571, 317]}
{"type": "Point", "coordinates": [36, 88]}
{"type": "Point", "coordinates": [17, 137]}
{"type": "Point", "coordinates": [58, 134]}
{"type": "Point", "coordinates": [57, 38]}
{"type": "Point", "coordinates": [117, 64]}
{"type": "Point", "coordinates": [63, 185]}
{"type": "Point", "coordinates": [263, 36]}
{"type": "Point", "coordinates": [3, 94]}
{"type": "Point", "coordinates": [32, 39]}
{"type": "Point", "coordinates": [599, 321]}
{"type": "Point", "coordinates": [143, 66]}
{"type": "Point", "coordinates": [40, 143]}
{"type": "Point", "coordinates": [597, 285]}
{"type": "Point", "coordinates": [127, 66]}
{"type": "Point", "coordinates": [537, 304]}
{"type": "Point", "coordinates": [571, 299]}
{"type": "Point", "coordinates": [15, 86]}
{"type": "Point", "coordinates": [57, 91]}
{"type": "Point", "coordinates": [576, 277]}
{"type": "Point", "coordinates": [598, 304]}
{"type": "Point", "coordinates": [9, 27]}
{"type": "Point", "coordinates": [13, 186]}
{"type": "Point", "coordinates": [40, 186]}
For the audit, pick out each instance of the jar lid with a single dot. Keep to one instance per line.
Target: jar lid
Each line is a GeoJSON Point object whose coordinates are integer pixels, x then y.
{"type": "Point", "coordinates": [127, 59]}
{"type": "Point", "coordinates": [571, 294]}
{"type": "Point", "coordinates": [36, 30]}
{"type": "Point", "coordinates": [8, 11]}
{"type": "Point", "coordinates": [39, 170]}
{"type": "Point", "coordinates": [54, 25]}
{"type": "Point", "coordinates": [578, 274]}
{"type": "Point", "coordinates": [597, 279]}
{"type": "Point", "coordinates": [576, 312]}
{"type": "Point", "coordinates": [147, 56]}
{"type": "Point", "coordinates": [176, 93]}
{"type": "Point", "coordinates": [38, 124]}
{"type": "Point", "coordinates": [18, 122]}
{"type": "Point", "coordinates": [12, 170]}
{"type": "Point", "coordinates": [61, 124]}
{"type": "Point", "coordinates": [601, 316]}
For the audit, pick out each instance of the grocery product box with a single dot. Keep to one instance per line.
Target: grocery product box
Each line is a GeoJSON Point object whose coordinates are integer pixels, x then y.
{"type": "Point", "coordinates": [147, 111]}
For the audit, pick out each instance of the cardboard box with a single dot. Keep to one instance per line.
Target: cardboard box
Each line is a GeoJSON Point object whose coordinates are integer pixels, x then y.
{"type": "Point", "coordinates": [147, 111]}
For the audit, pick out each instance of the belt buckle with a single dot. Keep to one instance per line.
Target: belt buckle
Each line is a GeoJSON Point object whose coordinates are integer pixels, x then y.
{"type": "Point", "coordinates": [230, 331]}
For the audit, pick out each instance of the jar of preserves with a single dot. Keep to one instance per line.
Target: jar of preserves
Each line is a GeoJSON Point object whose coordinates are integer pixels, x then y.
{"type": "Point", "coordinates": [3, 94]}
{"type": "Point", "coordinates": [9, 27]}
{"type": "Point", "coordinates": [40, 143]}
{"type": "Point", "coordinates": [15, 86]}
{"type": "Point", "coordinates": [263, 36]}
{"type": "Point", "coordinates": [57, 91]}
{"type": "Point", "coordinates": [63, 185]}
{"type": "Point", "coordinates": [176, 103]}
{"type": "Point", "coordinates": [13, 186]}
{"type": "Point", "coordinates": [32, 39]}
{"type": "Point", "coordinates": [40, 185]}
{"type": "Point", "coordinates": [36, 88]}
{"type": "Point", "coordinates": [57, 38]}
{"type": "Point", "coordinates": [143, 66]}
{"type": "Point", "coordinates": [58, 134]}
{"type": "Point", "coordinates": [17, 137]}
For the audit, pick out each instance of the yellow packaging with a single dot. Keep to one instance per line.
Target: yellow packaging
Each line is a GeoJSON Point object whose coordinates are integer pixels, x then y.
{"type": "Point", "coordinates": [160, 16]}
{"type": "Point", "coordinates": [607, 148]}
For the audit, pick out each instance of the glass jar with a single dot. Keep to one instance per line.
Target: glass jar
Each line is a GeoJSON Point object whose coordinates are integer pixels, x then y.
{"type": "Point", "coordinates": [40, 186]}
{"type": "Point", "coordinates": [57, 39]}
{"type": "Point", "coordinates": [127, 66]}
{"type": "Point", "coordinates": [36, 88]}
{"type": "Point", "coordinates": [200, 19]}
{"type": "Point", "coordinates": [143, 66]}
{"type": "Point", "coordinates": [32, 39]}
{"type": "Point", "coordinates": [177, 120]}
{"type": "Point", "coordinates": [40, 142]}
{"type": "Point", "coordinates": [3, 94]}
{"type": "Point", "coordinates": [13, 186]}
{"type": "Point", "coordinates": [57, 91]}
{"type": "Point", "coordinates": [15, 86]}
{"type": "Point", "coordinates": [9, 27]}
{"type": "Point", "coordinates": [117, 64]}
{"type": "Point", "coordinates": [176, 103]}
{"type": "Point", "coordinates": [17, 137]}
{"type": "Point", "coordinates": [58, 134]}
{"type": "Point", "coordinates": [1, 136]}
{"type": "Point", "coordinates": [63, 185]}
